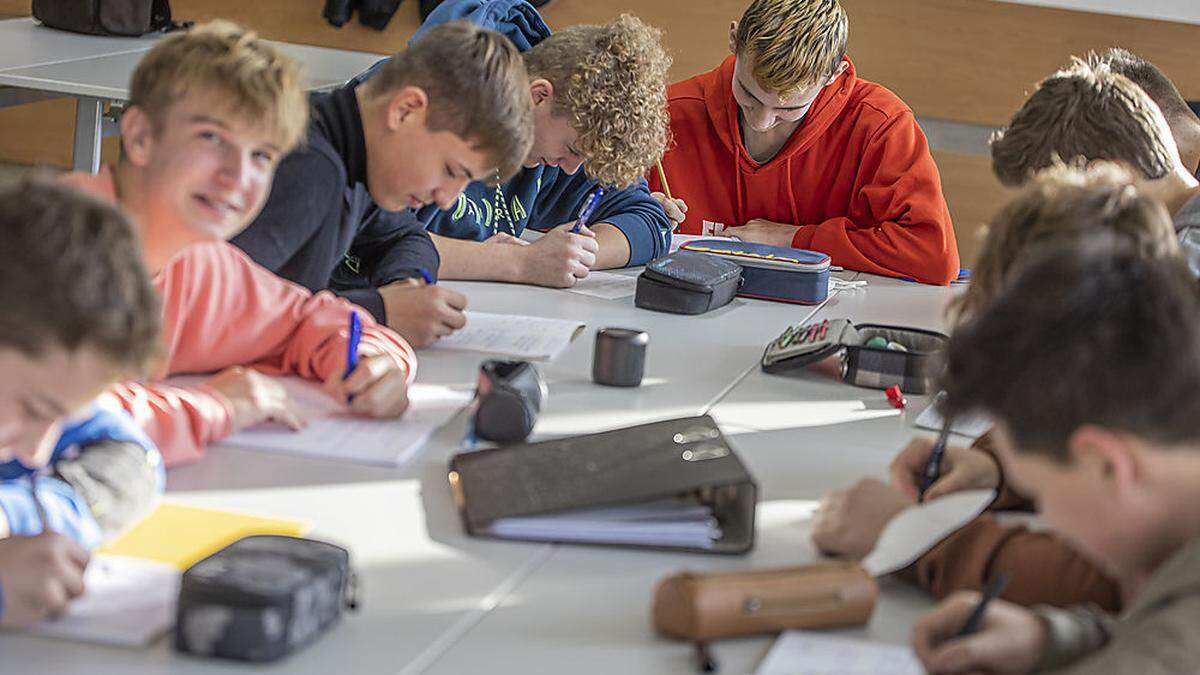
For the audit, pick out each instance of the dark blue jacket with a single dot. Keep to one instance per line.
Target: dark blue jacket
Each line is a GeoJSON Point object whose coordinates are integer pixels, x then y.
{"type": "Point", "coordinates": [542, 197]}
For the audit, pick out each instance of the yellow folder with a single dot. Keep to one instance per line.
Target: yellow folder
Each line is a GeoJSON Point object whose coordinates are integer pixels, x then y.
{"type": "Point", "coordinates": [181, 535]}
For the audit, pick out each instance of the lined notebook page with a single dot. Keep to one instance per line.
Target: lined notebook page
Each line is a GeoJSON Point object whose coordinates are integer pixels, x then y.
{"type": "Point", "coordinates": [798, 652]}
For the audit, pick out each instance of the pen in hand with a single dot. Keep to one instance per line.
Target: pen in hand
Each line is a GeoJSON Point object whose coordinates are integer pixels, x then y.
{"type": "Point", "coordinates": [588, 208]}
{"type": "Point", "coordinates": [990, 592]}
{"type": "Point", "coordinates": [352, 347]}
{"type": "Point", "coordinates": [933, 468]}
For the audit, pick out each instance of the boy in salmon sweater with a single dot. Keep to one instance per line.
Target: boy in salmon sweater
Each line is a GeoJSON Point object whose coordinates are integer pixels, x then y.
{"type": "Point", "coordinates": [211, 112]}
{"type": "Point", "coordinates": [783, 144]}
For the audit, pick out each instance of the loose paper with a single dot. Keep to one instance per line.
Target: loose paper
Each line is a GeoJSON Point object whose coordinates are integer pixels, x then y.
{"type": "Point", "coordinates": [127, 602]}
{"type": "Point", "coordinates": [798, 652]}
{"type": "Point", "coordinates": [921, 526]}
{"type": "Point", "coordinates": [605, 285]}
{"type": "Point", "coordinates": [513, 335]}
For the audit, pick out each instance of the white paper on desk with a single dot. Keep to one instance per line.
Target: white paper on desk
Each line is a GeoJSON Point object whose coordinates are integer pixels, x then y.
{"type": "Point", "coordinates": [334, 433]}
{"type": "Point", "coordinates": [921, 526]}
{"type": "Point", "coordinates": [605, 285]}
{"type": "Point", "coordinates": [971, 425]}
{"type": "Point", "coordinates": [512, 335]}
{"type": "Point", "coordinates": [798, 652]}
{"type": "Point", "coordinates": [678, 240]}
{"type": "Point", "coordinates": [665, 522]}
{"type": "Point", "coordinates": [128, 602]}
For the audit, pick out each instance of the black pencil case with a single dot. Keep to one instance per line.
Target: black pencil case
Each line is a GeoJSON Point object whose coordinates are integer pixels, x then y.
{"type": "Point", "coordinates": [878, 367]}
{"type": "Point", "coordinates": [687, 283]}
{"type": "Point", "coordinates": [263, 597]}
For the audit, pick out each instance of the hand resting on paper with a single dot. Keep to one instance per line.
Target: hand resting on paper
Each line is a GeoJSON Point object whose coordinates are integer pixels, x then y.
{"type": "Point", "coordinates": [962, 469]}
{"type": "Point", "coordinates": [849, 522]}
{"type": "Point", "coordinates": [39, 575]}
{"type": "Point", "coordinates": [378, 387]}
{"type": "Point", "coordinates": [255, 398]}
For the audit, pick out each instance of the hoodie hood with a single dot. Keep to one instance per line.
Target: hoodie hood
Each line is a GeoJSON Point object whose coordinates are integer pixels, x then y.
{"type": "Point", "coordinates": [723, 110]}
{"type": "Point", "coordinates": [516, 20]}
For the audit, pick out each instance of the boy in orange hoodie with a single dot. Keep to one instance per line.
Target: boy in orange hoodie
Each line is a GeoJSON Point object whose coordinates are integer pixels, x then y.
{"type": "Point", "coordinates": [211, 112]}
{"type": "Point", "coordinates": [783, 144]}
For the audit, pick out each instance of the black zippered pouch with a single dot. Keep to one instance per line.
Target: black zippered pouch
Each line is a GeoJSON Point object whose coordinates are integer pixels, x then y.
{"type": "Point", "coordinates": [121, 18]}
{"type": "Point", "coordinates": [687, 283]}
{"type": "Point", "coordinates": [263, 597]}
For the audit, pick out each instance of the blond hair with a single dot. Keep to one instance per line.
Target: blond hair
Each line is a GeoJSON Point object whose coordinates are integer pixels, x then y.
{"type": "Point", "coordinates": [1065, 205]}
{"type": "Point", "coordinates": [1084, 112]}
{"type": "Point", "coordinates": [610, 82]}
{"type": "Point", "coordinates": [477, 88]}
{"type": "Point", "coordinates": [243, 73]}
{"type": "Point", "coordinates": [795, 44]}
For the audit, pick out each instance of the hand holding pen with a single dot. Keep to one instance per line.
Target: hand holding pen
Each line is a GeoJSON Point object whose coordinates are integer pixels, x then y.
{"type": "Point", "coordinates": [374, 385]}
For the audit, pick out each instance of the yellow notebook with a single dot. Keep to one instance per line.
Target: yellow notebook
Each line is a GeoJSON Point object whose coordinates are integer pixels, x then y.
{"type": "Point", "coordinates": [181, 535]}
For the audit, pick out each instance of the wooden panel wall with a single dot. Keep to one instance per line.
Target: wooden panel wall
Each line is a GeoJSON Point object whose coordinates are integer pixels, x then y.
{"type": "Point", "coordinates": [961, 60]}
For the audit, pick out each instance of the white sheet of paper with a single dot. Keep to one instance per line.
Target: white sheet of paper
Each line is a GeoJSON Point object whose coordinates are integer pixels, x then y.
{"type": "Point", "coordinates": [605, 285]}
{"type": "Point", "coordinates": [921, 526]}
{"type": "Point", "coordinates": [973, 426]}
{"type": "Point", "coordinates": [128, 602]}
{"type": "Point", "coordinates": [798, 652]}
{"type": "Point", "coordinates": [513, 335]}
{"type": "Point", "coordinates": [334, 433]}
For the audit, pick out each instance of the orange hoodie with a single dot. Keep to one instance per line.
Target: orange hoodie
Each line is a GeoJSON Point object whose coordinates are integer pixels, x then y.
{"type": "Point", "coordinates": [221, 309]}
{"type": "Point", "coordinates": [856, 175]}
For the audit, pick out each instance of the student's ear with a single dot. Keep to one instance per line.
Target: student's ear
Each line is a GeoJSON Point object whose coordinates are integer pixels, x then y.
{"type": "Point", "coordinates": [732, 37]}
{"type": "Point", "coordinates": [838, 73]}
{"type": "Point", "coordinates": [406, 105]}
{"type": "Point", "coordinates": [137, 136]}
{"type": "Point", "coordinates": [1109, 456]}
{"type": "Point", "coordinates": [541, 91]}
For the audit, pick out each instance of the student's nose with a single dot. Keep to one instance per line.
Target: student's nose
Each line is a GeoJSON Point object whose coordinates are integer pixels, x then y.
{"type": "Point", "coordinates": [37, 443]}
{"type": "Point", "coordinates": [448, 194]}
{"type": "Point", "coordinates": [762, 119]}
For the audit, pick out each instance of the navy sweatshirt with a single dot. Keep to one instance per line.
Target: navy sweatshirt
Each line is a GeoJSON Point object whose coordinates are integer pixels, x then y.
{"type": "Point", "coordinates": [541, 197]}
{"type": "Point", "coordinates": [321, 229]}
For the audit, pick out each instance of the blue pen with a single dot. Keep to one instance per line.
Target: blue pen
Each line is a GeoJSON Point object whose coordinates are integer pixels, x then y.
{"type": "Point", "coordinates": [425, 275]}
{"type": "Point", "coordinates": [587, 210]}
{"type": "Point", "coordinates": [352, 344]}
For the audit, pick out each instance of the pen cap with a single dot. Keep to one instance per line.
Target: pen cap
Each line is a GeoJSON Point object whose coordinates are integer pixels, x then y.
{"type": "Point", "coordinates": [694, 606]}
{"type": "Point", "coordinates": [619, 359]}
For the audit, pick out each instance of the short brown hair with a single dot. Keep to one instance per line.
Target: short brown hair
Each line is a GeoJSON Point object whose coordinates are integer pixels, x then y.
{"type": "Point", "coordinates": [71, 275]}
{"type": "Point", "coordinates": [477, 87]}
{"type": "Point", "coordinates": [244, 73]}
{"type": "Point", "coordinates": [610, 82]}
{"type": "Point", "coordinates": [1149, 77]}
{"type": "Point", "coordinates": [1085, 112]}
{"type": "Point", "coordinates": [1063, 205]}
{"type": "Point", "coordinates": [795, 44]}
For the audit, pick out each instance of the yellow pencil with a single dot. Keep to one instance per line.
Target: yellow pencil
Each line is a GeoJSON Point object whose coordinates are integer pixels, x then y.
{"type": "Point", "coordinates": [662, 176]}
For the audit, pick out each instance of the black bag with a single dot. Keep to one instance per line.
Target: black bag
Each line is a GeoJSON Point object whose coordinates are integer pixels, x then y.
{"type": "Point", "coordinates": [262, 597]}
{"type": "Point", "coordinates": [687, 283]}
{"type": "Point", "coordinates": [125, 18]}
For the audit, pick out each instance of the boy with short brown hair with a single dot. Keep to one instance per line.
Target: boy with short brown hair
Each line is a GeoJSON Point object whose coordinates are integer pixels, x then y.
{"type": "Point", "coordinates": [211, 113]}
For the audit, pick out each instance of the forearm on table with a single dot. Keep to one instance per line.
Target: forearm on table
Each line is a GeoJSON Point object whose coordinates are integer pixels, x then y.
{"type": "Point", "coordinates": [471, 260]}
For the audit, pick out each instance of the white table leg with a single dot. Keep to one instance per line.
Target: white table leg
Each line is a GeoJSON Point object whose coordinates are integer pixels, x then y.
{"type": "Point", "coordinates": [86, 152]}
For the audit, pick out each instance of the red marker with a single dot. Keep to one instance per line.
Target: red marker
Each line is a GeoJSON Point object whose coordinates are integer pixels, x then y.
{"type": "Point", "coordinates": [895, 397]}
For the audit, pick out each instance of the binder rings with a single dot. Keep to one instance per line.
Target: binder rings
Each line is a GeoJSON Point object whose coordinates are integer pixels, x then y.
{"type": "Point", "coordinates": [675, 485]}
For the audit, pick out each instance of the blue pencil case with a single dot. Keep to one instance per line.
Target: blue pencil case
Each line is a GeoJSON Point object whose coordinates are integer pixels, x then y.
{"type": "Point", "coordinates": [778, 273]}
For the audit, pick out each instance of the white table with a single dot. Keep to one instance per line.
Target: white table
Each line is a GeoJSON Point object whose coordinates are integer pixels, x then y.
{"type": "Point", "coordinates": [38, 63]}
{"type": "Point", "coordinates": [438, 601]}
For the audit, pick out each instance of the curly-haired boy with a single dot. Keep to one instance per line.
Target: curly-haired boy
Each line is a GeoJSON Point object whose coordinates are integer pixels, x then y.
{"type": "Point", "coordinates": [600, 120]}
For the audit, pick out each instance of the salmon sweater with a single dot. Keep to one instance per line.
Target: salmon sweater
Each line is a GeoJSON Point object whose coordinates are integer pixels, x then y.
{"type": "Point", "coordinates": [220, 309]}
{"type": "Point", "coordinates": [856, 176]}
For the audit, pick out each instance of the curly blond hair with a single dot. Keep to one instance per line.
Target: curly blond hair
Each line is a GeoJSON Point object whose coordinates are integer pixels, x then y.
{"type": "Point", "coordinates": [610, 81]}
{"type": "Point", "coordinates": [795, 44]}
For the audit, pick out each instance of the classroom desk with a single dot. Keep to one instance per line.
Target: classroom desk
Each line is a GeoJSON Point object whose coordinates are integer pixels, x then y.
{"type": "Point", "coordinates": [39, 62]}
{"type": "Point", "coordinates": [438, 601]}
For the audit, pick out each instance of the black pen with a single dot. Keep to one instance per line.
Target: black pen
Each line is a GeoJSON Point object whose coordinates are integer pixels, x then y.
{"type": "Point", "coordinates": [704, 659]}
{"type": "Point", "coordinates": [933, 468]}
{"type": "Point", "coordinates": [990, 592]}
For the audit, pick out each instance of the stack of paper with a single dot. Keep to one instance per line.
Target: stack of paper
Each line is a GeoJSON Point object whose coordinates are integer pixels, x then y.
{"type": "Point", "coordinates": [334, 433]}
{"type": "Point", "coordinates": [972, 425]}
{"type": "Point", "coordinates": [816, 654]}
{"type": "Point", "coordinates": [126, 602]}
{"type": "Point", "coordinates": [515, 336]}
{"type": "Point", "coordinates": [667, 522]}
